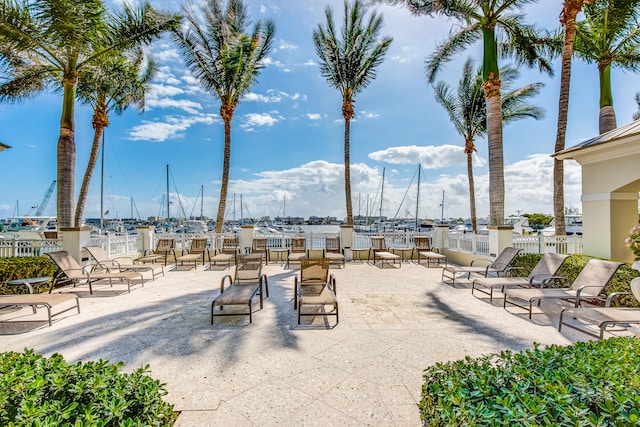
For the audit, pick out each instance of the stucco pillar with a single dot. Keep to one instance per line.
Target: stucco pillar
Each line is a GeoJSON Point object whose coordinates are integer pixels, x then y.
{"type": "Point", "coordinates": [500, 237]}
{"type": "Point", "coordinates": [606, 221]}
{"type": "Point", "coordinates": [146, 233]}
{"type": "Point", "coordinates": [440, 236]}
{"type": "Point", "coordinates": [74, 239]}
{"type": "Point", "coordinates": [245, 240]}
{"type": "Point", "coordinates": [346, 236]}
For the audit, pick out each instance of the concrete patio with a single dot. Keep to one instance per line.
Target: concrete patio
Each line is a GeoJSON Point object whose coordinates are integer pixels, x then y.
{"type": "Point", "coordinates": [394, 322]}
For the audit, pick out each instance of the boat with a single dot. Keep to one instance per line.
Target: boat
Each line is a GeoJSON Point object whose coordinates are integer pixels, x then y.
{"type": "Point", "coordinates": [29, 227]}
{"type": "Point", "coordinates": [573, 225]}
{"type": "Point", "coordinates": [195, 226]}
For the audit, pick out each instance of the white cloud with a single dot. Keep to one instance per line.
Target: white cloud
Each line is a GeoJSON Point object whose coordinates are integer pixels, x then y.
{"type": "Point", "coordinates": [284, 45]}
{"type": "Point", "coordinates": [369, 115]}
{"type": "Point", "coordinates": [273, 96]}
{"type": "Point", "coordinates": [313, 116]}
{"type": "Point", "coordinates": [171, 128]}
{"type": "Point", "coordinates": [429, 156]}
{"type": "Point", "coordinates": [254, 120]}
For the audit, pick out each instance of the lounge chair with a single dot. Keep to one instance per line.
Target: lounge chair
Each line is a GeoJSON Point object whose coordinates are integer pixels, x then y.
{"type": "Point", "coordinates": [589, 284]}
{"type": "Point", "coordinates": [248, 281]}
{"type": "Point", "coordinates": [46, 300]}
{"type": "Point", "coordinates": [381, 253]}
{"type": "Point", "coordinates": [601, 317]}
{"type": "Point", "coordinates": [228, 252]}
{"type": "Point", "coordinates": [424, 250]}
{"type": "Point", "coordinates": [259, 246]}
{"type": "Point", "coordinates": [333, 251]}
{"type": "Point", "coordinates": [164, 247]}
{"type": "Point", "coordinates": [496, 267]}
{"type": "Point", "coordinates": [72, 272]}
{"type": "Point", "coordinates": [544, 271]}
{"type": "Point", "coordinates": [298, 250]}
{"type": "Point", "coordinates": [121, 263]}
{"type": "Point", "coordinates": [315, 288]}
{"type": "Point", "coordinates": [198, 250]}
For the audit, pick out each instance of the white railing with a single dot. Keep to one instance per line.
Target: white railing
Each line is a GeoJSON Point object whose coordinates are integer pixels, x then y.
{"type": "Point", "coordinates": [391, 239]}
{"type": "Point", "coordinates": [117, 244]}
{"type": "Point", "coordinates": [540, 244]}
{"type": "Point", "coordinates": [126, 244]}
{"type": "Point", "coordinates": [469, 242]}
{"type": "Point", "coordinates": [28, 247]}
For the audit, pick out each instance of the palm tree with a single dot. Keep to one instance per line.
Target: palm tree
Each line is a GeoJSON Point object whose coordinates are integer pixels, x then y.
{"type": "Point", "coordinates": [114, 83]}
{"type": "Point", "coordinates": [349, 65]}
{"type": "Point", "coordinates": [50, 43]}
{"type": "Point", "coordinates": [609, 36]}
{"type": "Point", "coordinates": [467, 109]}
{"type": "Point", "coordinates": [226, 59]}
{"type": "Point", "coordinates": [636, 115]}
{"type": "Point", "coordinates": [499, 24]}
{"type": "Point", "coordinates": [570, 10]}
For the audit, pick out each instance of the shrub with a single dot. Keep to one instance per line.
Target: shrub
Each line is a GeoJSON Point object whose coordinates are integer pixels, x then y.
{"type": "Point", "coordinates": [588, 383]}
{"type": "Point", "coordinates": [21, 267]}
{"type": "Point", "coordinates": [35, 390]}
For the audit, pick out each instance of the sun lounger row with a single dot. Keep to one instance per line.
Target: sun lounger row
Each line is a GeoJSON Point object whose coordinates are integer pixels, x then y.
{"type": "Point", "coordinates": [524, 292]}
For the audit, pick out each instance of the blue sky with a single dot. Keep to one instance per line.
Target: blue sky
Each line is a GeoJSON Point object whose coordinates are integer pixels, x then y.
{"type": "Point", "coordinates": [287, 134]}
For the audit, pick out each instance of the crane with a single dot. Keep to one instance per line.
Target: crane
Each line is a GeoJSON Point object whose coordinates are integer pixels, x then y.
{"type": "Point", "coordinates": [45, 199]}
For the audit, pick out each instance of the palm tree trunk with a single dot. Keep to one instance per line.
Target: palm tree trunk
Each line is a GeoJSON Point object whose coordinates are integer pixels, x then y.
{"type": "Point", "coordinates": [607, 118]}
{"type": "Point", "coordinates": [496, 162]}
{"type": "Point", "coordinates": [100, 121]}
{"type": "Point", "coordinates": [347, 170]}
{"type": "Point", "coordinates": [568, 20]}
{"type": "Point", "coordinates": [226, 112]}
{"type": "Point", "coordinates": [66, 153]}
{"type": "Point", "coordinates": [469, 149]}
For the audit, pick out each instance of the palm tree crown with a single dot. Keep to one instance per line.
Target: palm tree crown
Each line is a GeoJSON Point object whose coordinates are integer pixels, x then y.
{"type": "Point", "coordinates": [49, 43]}
{"type": "Point", "coordinates": [348, 62]}
{"type": "Point", "coordinates": [610, 37]}
{"type": "Point", "coordinates": [226, 59]}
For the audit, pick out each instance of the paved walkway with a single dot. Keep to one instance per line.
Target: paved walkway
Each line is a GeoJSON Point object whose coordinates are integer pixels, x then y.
{"type": "Point", "coordinates": [394, 322]}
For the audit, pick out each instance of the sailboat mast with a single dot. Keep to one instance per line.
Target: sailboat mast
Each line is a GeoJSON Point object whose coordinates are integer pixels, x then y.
{"type": "Point", "coordinates": [241, 211]}
{"type": "Point", "coordinates": [381, 199]}
{"type": "Point", "coordinates": [442, 207]}
{"type": "Point", "coordinates": [168, 216]}
{"type": "Point", "coordinates": [418, 198]}
{"type": "Point", "coordinates": [201, 201]}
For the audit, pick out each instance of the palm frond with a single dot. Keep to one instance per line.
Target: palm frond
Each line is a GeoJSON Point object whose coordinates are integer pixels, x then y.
{"type": "Point", "coordinates": [456, 42]}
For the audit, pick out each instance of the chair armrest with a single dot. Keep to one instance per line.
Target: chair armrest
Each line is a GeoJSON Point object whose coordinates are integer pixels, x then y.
{"type": "Point", "coordinates": [332, 283]}
{"type": "Point", "coordinates": [508, 270]}
{"type": "Point", "coordinates": [546, 280]}
{"type": "Point", "coordinates": [226, 277]}
{"type": "Point", "coordinates": [613, 295]}
{"type": "Point", "coordinates": [480, 259]}
{"type": "Point", "coordinates": [582, 288]}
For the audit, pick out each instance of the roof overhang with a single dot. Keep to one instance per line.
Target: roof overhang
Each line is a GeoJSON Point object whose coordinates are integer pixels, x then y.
{"type": "Point", "coordinates": [620, 142]}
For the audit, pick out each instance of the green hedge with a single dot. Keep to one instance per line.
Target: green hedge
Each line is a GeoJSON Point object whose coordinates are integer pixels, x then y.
{"type": "Point", "coordinates": [572, 267]}
{"type": "Point", "coordinates": [39, 391]}
{"type": "Point", "coordinates": [593, 383]}
{"type": "Point", "coordinates": [21, 267]}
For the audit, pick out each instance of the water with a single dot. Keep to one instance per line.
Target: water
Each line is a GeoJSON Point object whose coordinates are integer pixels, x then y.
{"type": "Point", "coordinates": [320, 228]}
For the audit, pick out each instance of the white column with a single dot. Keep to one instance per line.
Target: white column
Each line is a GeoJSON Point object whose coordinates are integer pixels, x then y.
{"type": "Point", "coordinates": [500, 237]}
{"type": "Point", "coordinates": [74, 240]}
{"type": "Point", "coordinates": [245, 240]}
